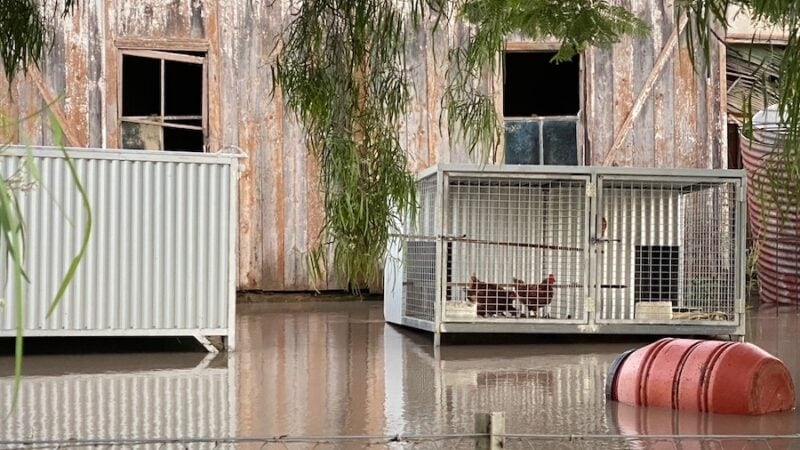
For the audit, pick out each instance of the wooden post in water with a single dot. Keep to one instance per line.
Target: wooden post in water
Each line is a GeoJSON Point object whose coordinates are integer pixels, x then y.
{"type": "Point", "coordinates": [493, 424]}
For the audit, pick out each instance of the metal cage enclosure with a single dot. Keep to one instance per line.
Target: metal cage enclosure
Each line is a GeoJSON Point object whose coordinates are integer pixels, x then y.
{"type": "Point", "coordinates": [550, 249]}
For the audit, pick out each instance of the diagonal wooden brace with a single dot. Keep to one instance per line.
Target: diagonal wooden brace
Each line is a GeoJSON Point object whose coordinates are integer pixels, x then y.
{"type": "Point", "coordinates": [647, 89]}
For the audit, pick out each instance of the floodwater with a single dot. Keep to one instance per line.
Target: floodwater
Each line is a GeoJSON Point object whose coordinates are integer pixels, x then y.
{"type": "Point", "coordinates": [333, 369]}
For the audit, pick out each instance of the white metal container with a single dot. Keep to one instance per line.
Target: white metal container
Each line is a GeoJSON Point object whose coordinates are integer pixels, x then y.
{"type": "Point", "coordinates": [593, 250]}
{"type": "Point", "coordinates": [162, 255]}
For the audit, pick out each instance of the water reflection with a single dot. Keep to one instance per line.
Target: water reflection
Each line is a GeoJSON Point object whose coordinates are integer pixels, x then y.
{"type": "Point", "coordinates": [119, 396]}
{"type": "Point", "coordinates": [634, 421]}
{"type": "Point", "coordinates": [338, 369]}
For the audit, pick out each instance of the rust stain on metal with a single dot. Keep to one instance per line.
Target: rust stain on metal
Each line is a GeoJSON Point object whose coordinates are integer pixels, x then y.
{"type": "Point", "coordinates": [249, 234]}
{"type": "Point", "coordinates": [623, 98]}
{"type": "Point", "coordinates": [214, 75]}
{"type": "Point", "coordinates": [49, 98]}
{"type": "Point", "coordinates": [685, 145]}
{"type": "Point", "coordinates": [76, 99]}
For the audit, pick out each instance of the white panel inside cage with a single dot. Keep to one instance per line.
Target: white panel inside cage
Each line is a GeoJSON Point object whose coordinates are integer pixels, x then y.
{"type": "Point", "coordinates": [511, 235]}
{"type": "Point", "coordinates": [669, 244]}
{"type": "Point", "coordinates": [638, 251]}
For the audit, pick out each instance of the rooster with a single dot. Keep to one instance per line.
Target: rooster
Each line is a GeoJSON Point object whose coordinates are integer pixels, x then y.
{"type": "Point", "coordinates": [535, 295]}
{"type": "Point", "coordinates": [491, 298]}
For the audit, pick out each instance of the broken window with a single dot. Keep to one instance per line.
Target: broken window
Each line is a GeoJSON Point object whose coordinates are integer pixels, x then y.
{"type": "Point", "coordinates": [541, 102]}
{"type": "Point", "coordinates": [163, 100]}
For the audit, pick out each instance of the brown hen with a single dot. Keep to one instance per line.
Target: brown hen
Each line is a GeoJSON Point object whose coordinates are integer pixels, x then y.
{"type": "Point", "coordinates": [535, 295]}
{"type": "Point", "coordinates": [491, 298]}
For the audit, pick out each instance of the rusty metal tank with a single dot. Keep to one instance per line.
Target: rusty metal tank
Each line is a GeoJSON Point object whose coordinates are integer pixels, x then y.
{"type": "Point", "coordinates": [776, 236]}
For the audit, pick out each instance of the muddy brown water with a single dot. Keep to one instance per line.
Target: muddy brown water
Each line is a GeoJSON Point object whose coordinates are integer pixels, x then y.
{"type": "Point", "coordinates": [338, 369]}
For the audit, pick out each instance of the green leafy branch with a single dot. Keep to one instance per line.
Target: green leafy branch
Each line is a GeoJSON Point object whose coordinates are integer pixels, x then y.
{"type": "Point", "coordinates": [341, 68]}
{"type": "Point", "coordinates": [13, 236]}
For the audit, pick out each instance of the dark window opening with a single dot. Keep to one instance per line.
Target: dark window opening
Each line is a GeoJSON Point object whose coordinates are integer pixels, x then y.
{"type": "Point", "coordinates": [162, 100]}
{"type": "Point", "coordinates": [535, 86]}
{"type": "Point", "coordinates": [182, 84]}
{"type": "Point", "coordinates": [734, 153]}
{"type": "Point", "coordinates": [656, 273]}
{"type": "Point", "coordinates": [182, 140]}
{"type": "Point", "coordinates": [141, 86]}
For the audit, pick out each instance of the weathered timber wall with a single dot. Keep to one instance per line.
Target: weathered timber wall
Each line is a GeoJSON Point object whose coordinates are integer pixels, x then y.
{"type": "Point", "coordinates": [679, 125]}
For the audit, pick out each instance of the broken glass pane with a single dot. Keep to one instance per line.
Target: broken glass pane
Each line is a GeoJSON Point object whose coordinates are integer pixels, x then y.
{"type": "Point", "coordinates": [522, 142]}
{"type": "Point", "coordinates": [141, 136]}
{"type": "Point", "coordinates": [560, 143]}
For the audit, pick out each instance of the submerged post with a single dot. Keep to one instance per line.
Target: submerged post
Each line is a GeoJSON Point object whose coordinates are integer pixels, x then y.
{"type": "Point", "coordinates": [493, 424]}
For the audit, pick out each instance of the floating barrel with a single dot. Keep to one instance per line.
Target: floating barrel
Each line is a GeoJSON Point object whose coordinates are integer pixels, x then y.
{"type": "Point", "coordinates": [708, 376]}
{"type": "Point", "coordinates": [777, 234]}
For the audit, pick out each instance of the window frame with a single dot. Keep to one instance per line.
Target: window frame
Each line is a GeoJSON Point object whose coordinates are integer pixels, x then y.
{"type": "Point", "coordinates": [578, 118]}
{"type": "Point", "coordinates": [164, 55]}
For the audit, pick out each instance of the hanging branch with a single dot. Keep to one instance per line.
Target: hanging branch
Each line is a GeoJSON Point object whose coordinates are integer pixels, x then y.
{"type": "Point", "coordinates": [342, 70]}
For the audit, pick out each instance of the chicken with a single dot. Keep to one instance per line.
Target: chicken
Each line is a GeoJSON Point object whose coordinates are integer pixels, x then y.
{"type": "Point", "coordinates": [491, 298]}
{"type": "Point", "coordinates": [535, 295]}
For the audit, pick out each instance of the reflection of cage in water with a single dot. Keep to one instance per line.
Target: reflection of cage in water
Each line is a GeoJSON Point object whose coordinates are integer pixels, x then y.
{"type": "Point", "coordinates": [571, 250]}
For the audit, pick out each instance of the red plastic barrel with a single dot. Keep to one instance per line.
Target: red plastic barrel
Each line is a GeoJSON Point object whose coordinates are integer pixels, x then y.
{"type": "Point", "coordinates": [710, 376]}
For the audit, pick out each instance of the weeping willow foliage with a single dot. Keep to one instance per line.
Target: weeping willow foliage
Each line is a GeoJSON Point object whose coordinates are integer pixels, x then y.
{"type": "Point", "coordinates": [25, 30]}
{"type": "Point", "coordinates": [342, 69]}
{"type": "Point", "coordinates": [13, 240]}
{"type": "Point", "coordinates": [781, 169]}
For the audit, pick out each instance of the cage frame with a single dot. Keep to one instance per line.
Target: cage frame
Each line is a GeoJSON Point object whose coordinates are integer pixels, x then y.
{"type": "Point", "coordinates": [594, 177]}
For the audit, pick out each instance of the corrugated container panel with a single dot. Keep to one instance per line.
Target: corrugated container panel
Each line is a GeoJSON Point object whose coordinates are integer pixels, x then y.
{"type": "Point", "coordinates": [159, 259]}
{"type": "Point", "coordinates": [186, 403]}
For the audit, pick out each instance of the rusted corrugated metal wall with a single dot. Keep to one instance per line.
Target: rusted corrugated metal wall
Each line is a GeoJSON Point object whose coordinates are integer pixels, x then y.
{"type": "Point", "coordinates": [680, 123]}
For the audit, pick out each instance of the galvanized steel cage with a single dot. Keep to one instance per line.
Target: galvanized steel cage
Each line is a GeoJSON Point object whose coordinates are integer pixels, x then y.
{"type": "Point", "coordinates": [571, 250]}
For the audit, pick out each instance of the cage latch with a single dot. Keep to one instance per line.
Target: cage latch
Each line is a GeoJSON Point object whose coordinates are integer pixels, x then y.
{"type": "Point", "coordinates": [590, 189]}
{"type": "Point", "coordinates": [602, 241]}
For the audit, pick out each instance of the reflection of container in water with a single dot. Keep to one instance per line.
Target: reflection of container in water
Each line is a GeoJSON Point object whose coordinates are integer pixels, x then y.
{"type": "Point", "coordinates": [640, 421]}
{"type": "Point", "coordinates": [712, 376]}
